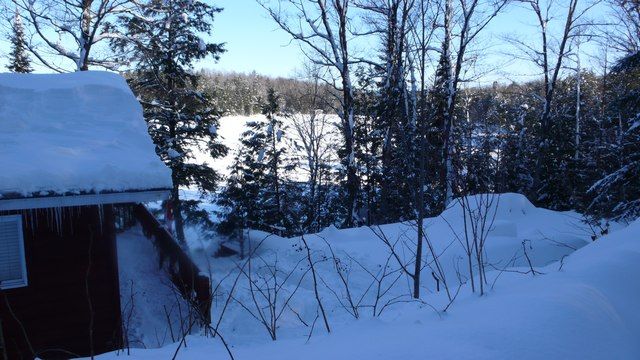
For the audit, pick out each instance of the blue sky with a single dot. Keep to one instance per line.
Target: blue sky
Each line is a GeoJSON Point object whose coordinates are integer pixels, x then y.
{"type": "Point", "coordinates": [253, 41]}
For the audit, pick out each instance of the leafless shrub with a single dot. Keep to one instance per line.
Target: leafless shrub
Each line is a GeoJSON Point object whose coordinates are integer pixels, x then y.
{"type": "Point", "coordinates": [400, 244]}
{"type": "Point", "coordinates": [269, 296]}
{"type": "Point", "coordinates": [312, 267]}
{"type": "Point", "coordinates": [346, 300]}
{"type": "Point", "coordinates": [478, 220]}
{"type": "Point", "coordinates": [383, 281]}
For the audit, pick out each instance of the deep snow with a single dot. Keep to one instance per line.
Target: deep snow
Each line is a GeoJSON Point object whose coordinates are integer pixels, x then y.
{"type": "Point", "coordinates": [76, 132]}
{"type": "Point", "coordinates": [151, 307]}
{"type": "Point", "coordinates": [580, 305]}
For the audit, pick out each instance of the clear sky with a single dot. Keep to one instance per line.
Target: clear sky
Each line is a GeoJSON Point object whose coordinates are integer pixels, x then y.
{"type": "Point", "coordinates": [253, 41]}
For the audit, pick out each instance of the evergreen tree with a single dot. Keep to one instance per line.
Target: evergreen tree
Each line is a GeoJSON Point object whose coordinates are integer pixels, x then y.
{"type": "Point", "coordinates": [19, 61]}
{"type": "Point", "coordinates": [439, 102]}
{"type": "Point", "coordinates": [257, 192]}
{"type": "Point", "coordinates": [273, 156]}
{"type": "Point", "coordinates": [162, 43]}
{"type": "Point", "coordinates": [516, 116]}
{"type": "Point", "coordinates": [617, 193]}
{"type": "Point", "coordinates": [395, 118]}
{"type": "Point", "coordinates": [369, 137]}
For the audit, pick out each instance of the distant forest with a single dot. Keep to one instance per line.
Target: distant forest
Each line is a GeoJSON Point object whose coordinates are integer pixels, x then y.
{"type": "Point", "coordinates": [238, 93]}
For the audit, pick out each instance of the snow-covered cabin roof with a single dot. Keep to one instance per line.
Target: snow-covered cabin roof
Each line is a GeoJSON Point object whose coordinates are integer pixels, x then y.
{"type": "Point", "coordinates": [77, 133]}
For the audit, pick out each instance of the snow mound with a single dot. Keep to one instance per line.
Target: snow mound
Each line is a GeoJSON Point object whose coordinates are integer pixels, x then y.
{"type": "Point", "coordinates": [74, 133]}
{"type": "Point", "coordinates": [581, 307]}
{"type": "Point", "coordinates": [151, 307]}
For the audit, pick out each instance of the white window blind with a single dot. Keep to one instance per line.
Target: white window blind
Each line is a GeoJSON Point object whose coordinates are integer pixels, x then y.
{"type": "Point", "coordinates": [13, 270]}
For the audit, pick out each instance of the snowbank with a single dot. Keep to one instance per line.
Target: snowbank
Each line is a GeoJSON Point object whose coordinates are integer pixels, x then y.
{"type": "Point", "coordinates": [584, 307]}
{"type": "Point", "coordinates": [149, 304]}
{"type": "Point", "coordinates": [77, 132]}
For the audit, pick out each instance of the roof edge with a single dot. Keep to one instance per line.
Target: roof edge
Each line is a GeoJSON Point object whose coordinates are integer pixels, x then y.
{"type": "Point", "coordinates": [83, 200]}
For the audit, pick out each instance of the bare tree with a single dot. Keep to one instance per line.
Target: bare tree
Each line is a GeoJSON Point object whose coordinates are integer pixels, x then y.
{"type": "Point", "coordinates": [71, 30]}
{"type": "Point", "coordinates": [624, 32]}
{"type": "Point", "coordinates": [461, 24]}
{"type": "Point", "coordinates": [422, 30]}
{"type": "Point", "coordinates": [549, 56]}
{"type": "Point", "coordinates": [322, 27]}
{"type": "Point", "coordinates": [315, 138]}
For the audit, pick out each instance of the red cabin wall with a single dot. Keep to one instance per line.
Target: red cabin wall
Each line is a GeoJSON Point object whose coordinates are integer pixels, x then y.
{"type": "Point", "coordinates": [71, 305]}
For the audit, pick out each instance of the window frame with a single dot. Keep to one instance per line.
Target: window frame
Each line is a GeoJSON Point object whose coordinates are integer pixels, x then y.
{"type": "Point", "coordinates": [23, 282]}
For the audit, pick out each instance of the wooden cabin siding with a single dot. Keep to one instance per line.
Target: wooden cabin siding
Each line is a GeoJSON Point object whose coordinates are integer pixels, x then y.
{"type": "Point", "coordinates": [54, 309]}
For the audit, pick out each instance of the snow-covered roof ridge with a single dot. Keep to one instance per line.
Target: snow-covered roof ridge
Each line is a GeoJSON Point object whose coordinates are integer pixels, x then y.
{"type": "Point", "coordinates": [43, 82]}
{"type": "Point", "coordinates": [74, 133]}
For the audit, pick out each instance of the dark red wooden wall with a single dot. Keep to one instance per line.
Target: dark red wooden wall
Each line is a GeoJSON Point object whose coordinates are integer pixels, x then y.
{"type": "Point", "coordinates": [71, 306]}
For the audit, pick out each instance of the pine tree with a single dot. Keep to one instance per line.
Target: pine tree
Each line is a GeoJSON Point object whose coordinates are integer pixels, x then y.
{"type": "Point", "coordinates": [617, 193]}
{"type": "Point", "coordinates": [162, 43]}
{"type": "Point", "coordinates": [440, 117]}
{"type": "Point", "coordinates": [273, 155]}
{"type": "Point", "coordinates": [19, 61]}
{"type": "Point", "coordinates": [395, 118]}
{"type": "Point", "coordinates": [257, 192]}
{"type": "Point", "coordinates": [368, 144]}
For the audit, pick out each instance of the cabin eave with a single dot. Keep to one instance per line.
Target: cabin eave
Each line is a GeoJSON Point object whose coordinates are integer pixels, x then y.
{"type": "Point", "coordinates": [25, 203]}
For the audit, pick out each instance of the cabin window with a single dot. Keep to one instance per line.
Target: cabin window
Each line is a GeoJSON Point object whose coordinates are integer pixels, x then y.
{"type": "Point", "coordinates": [13, 269]}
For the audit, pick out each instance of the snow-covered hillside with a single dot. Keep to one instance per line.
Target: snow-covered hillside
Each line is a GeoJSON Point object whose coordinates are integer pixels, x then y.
{"type": "Point", "coordinates": [578, 304]}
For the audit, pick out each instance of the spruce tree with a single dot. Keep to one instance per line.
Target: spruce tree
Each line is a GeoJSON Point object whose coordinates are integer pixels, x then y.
{"type": "Point", "coordinates": [616, 194]}
{"type": "Point", "coordinates": [19, 61]}
{"type": "Point", "coordinates": [256, 195]}
{"type": "Point", "coordinates": [162, 43]}
{"type": "Point", "coordinates": [439, 103]}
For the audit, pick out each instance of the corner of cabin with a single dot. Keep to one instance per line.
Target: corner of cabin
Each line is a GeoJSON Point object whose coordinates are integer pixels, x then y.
{"type": "Point", "coordinates": [82, 148]}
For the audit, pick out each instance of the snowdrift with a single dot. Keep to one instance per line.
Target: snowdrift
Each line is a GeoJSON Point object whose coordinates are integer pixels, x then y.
{"type": "Point", "coordinates": [72, 133]}
{"type": "Point", "coordinates": [151, 307]}
{"type": "Point", "coordinates": [580, 304]}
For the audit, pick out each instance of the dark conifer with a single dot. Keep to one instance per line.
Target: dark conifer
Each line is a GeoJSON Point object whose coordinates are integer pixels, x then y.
{"type": "Point", "coordinates": [19, 61]}
{"type": "Point", "coordinates": [162, 43]}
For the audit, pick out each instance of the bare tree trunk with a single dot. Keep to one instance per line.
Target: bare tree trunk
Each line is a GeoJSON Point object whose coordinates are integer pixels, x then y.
{"type": "Point", "coordinates": [551, 73]}
{"type": "Point", "coordinates": [578, 97]}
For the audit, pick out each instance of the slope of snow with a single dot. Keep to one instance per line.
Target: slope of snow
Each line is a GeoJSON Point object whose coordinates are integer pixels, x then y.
{"type": "Point", "coordinates": [580, 305]}
{"type": "Point", "coordinates": [151, 309]}
{"type": "Point", "coordinates": [77, 132]}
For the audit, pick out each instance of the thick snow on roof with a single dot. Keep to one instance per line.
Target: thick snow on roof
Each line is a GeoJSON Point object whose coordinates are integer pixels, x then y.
{"type": "Point", "coordinates": [74, 133]}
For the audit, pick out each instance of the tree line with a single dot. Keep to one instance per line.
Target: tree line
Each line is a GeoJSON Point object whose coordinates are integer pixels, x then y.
{"type": "Point", "coordinates": [412, 131]}
{"type": "Point", "coordinates": [244, 94]}
{"type": "Point", "coordinates": [414, 135]}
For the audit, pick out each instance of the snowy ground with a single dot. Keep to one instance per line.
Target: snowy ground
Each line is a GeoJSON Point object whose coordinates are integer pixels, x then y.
{"type": "Point", "coordinates": [581, 304]}
{"type": "Point", "coordinates": [150, 307]}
